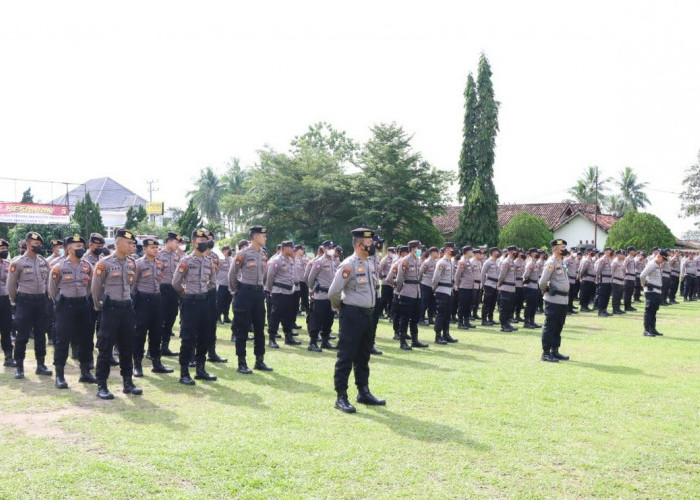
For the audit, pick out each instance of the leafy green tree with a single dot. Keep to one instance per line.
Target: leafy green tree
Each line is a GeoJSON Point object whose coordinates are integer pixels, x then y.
{"type": "Point", "coordinates": [525, 231]}
{"type": "Point", "coordinates": [631, 190]}
{"type": "Point", "coordinates": [48, 232]}
{"type": "Point", "coordinates": [642, 230]}
{"type": "Point", "coordinates": [134, 216]}
{"type": "Point", "coordinates": [207, 194]}
{"type": "Point", "coordinates": [189, 221]}
{"type": "Point", "coordinates": [325, 139]}
{"type": "Point", "coordinates": [86, 216]}
{"type": "Point", "coordinates": [690, 197]}
{"type": "Point", "coordinates": [235, 183]}
{"type": "Point", "coordinates": [584, 189]}
{"type": "Point", "coordinates": [396, 191]}
{"type": "Point", "coordinates": [27, 196]}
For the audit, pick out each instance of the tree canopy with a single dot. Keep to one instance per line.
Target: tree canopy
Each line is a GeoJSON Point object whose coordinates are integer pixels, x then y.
{"type": "Point", "coordinates": [525, 231]}
{"type": "Point", "coordinates": [86, 216]}
{"type": "Point", "coordinates": [690, 197]}
{"type": "Point", "coordinates": [641, 230]}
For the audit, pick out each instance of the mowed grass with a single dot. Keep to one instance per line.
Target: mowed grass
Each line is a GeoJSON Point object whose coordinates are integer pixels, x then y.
{"type": "Point", "coordinates": [481, 418]}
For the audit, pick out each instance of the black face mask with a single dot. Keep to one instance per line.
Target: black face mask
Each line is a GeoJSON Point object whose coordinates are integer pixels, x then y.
{"type": "Point", "coordinates": [210, 244]}
{"type": "Point", "coordinates": [97, 251]}
{"type": "Point", "coordinates": [371, 249]}
{"type": "Point", "coordinates": [79, 252]}
{"type": "Point", "coordinates": [202, 247]}
{"type": "Point", "coordinates": [564, 252]}
{"type": "Point", "coordinates": [38, 249]}
{"type": "Point", "coordinates": [4, 254]}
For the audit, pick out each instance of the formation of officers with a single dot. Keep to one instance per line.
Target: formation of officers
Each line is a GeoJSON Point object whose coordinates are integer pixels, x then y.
{"type": "Point", "coordinates": [127, 297]}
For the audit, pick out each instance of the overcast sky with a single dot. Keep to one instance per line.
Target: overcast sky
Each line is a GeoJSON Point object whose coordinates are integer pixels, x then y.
{"type": "Point", "coordinates": [158, 90]}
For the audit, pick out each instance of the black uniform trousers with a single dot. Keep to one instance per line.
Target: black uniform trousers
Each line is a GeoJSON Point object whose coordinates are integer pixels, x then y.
{"type": "Point", "coordinates": [652, 305]}
{"type": "Point", "coordinates": [72, 327]}
{"type": "Point", "coordinates": [604, 291]}
{"type": "Point", "coordinates": [617, 291]}
{"type": "Point", "coordinates": [465, 304]}
{"type": "Point", "coordinates": [629, 292]}
{"type": "Point", "coordinates": [476, 300]}
{"type": "Point", "coordinates": [665, 285]}
{"type": "Point", "coordinates": [489, 303]}
{"type": "Point", "coordinates": [211, 327]}
{"type": "Point", "coordinates": [283, 311]}
{"type": "Point", "coordinates": [531, 297]}
{"type": "Point", "coordinates": [409, 315]}
{"type": "Point", "coordinates": [427, 302]}
{"type": "Point", "coordinates": [6, 324]}
{"type": "Point", "coordinates": [673, 287]}
{"type": "Point", "coordinates": [195, 325]}
{"type": "Point", "coordinates": [442, 313]}
{"type": "Point", "coordinates": [223, 302]}
{"type": "Point", "coordinates": [387, 299]}
{"type": "Point", "coordinates": [637, 289]}
{"type": "Point", "coordinates": [30, 315]}
{"type": "Point", "coordinates": [554, 319]}
{"type": "Point", "coordinates": [116, 327]}
{"type": "Point", "coordinates": [587, 291]}
{"type": "Point", "coordinates": [249, 309]}
{"type": "Point", "coordinates": [689, 288]}
{"type": "Point", "coordinates": [149, 319]}
{"type": "Point", "coordinates": [94, 322]}
{"type": "Point", "coordinates": [320, 319]}
{"type": "Point", "coordinates": [169, 304]}
{"type": "Point", "coordinates": [354, 346]}
{"type": "Point", "coordinates": [519, 300]}
{"type": "Point", "coordinates": [505, 309]}
{"type": "Point", "coordinates": [573, 293]}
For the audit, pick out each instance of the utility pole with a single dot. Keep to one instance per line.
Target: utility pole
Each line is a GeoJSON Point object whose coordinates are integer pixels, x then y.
{"type": "Point", "coordinates": [150, 194]}
{"type": "Point", "coordinates": [595, 224]}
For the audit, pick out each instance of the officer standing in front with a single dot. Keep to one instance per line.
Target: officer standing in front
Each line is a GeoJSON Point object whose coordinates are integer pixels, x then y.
{"type": "Point", "coordinates": [353, 293]}
{"type": "Point", "coordinates": [652, 281]}
{"type": "Point", "coordinates": [111, 293]}
{"type": "Point", "coordinates": [26, 286]}
{"type": "Point", "coordinates": [554, 283]}
{"type": "Point", "coordinates": [442, 286]}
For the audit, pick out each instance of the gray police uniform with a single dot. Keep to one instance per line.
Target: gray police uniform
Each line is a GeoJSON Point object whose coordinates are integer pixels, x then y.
{"type": "Point", "coordinates": [223, 295]}
{"type": "Point", "coordinates": [427, 297]}
{"type": "Point", "coordinates": [169, 298]}
{"type": "Point", "coordinates": [464, 281]}
{"type": "Point", "coordinates": [408, 290]}
{"type": "Point", "coordinates": [531, 277]}
{"type": "Point", "coordinates": [5, 313]}
{"type": "Point", "coordinates": [554, 283]}
{"type": "Point", "coordinates": [604, 275]}
{"type": "Point", "coordinates": [442, 285]}
{"type": "Point", "coordinates": [506, 285]}
{"type": "Point", "coordinates": [147, 308]}
{"type": "Point", "coordinates": [489, 279]}
{"type": "Point", "coordinates": [320, 318]}
{"type": "Point", "coordinates": [246, 280]}
{"type": "Point", "coordinates": [651, 280]}
{"type": "Point", "coordinates": [280, 284]}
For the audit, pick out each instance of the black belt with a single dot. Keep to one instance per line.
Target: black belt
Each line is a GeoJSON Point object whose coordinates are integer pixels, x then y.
{"type": "Point", "coordinates": [563, 294]}
{"type": "Point", "coordinates": [282, 285]}
{"type": "Point", "coordinates": [675, 273]}
{"type": "Point", "coordinates": [32, 296]}
{"type": "Point", "coordinates": [197, 296]}
{"type": "Point", "coordinates": [321, 289]}
{"type": "Point", "coordinates": [76, 300]}
{"type": "Point", "coordinates": [529, 281]}
{"type": "Point", "coordinates": [148, 295]}
{"type": "Point", "coordinates": [246, 286]}
{"type": "Point", "coordinates": [296, 283]}
{"type": "Point", "coordinates": [444, 283]}
{"type": "Point", "coordinates": [118, 304]}
{"type": "Point", "coordinates": [166, 286]}
{"type": "Point", "coordinates": [367, 311]}
{"type": "Point", "coordinates": [518, 279]}
{"type": "Point", "coordinates": [477, 281]}
{"type": "Point", "coordinates": [590, 275]}
{"type": "Point", "coordinates": [653, 287]}
{"type": "Point", "coordinates": [507, 283]}
{"type": "Point", "coordinates": [410, 282]}
{"type": "Point", "coordinates": [606, 275]}
{"type": "Point", "coordinates": [630, 274]}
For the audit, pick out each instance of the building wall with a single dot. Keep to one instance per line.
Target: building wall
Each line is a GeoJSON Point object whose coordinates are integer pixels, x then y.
{"type": "Point", "coordinates": [580, 230]}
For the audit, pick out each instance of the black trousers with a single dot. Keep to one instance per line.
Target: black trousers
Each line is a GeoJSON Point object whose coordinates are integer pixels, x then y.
{"type": "Point", "coordinates": [409, 315]}
{"type": "Point", "coordinates": [637, 289]}
{"type": "Point", "coordinates": [617, 290]}
{"type": "Point", "coordinates": [465, 303]}
{"type": "Point", "coordinates": [505, 311]}
{"type": "Point", "coordinates": [689, 288]}
{"type": "Point", "coordinates": [604, 291]}
{"type": "Point", "coordinates": [249, 309]}
{"type": "Point", "coordinates": [283, 311]}
{"type": "Point", "coordinates": [223, 302]}
{"type": "Point", "coordinates": [489, 303]}
{"type": "Point", "coordinates": [665, 285]}
{"type": "Point", "coordinates": [194, 329]}
{"type": "Point", "coordinates": [116, 327]}
{"type": "Point", "coordinates": [212, 316]}
{"type": "Point", "coordinates": [629, 292]}
{"type": "Point", "coordinates": [652, 305]}
{"type": "Point", "coordinates": [673, 288]}
{"type": "Point", "coordinates": [302, 297]}
{"type": "Point", "coordinates": [587, 291]}
{"type": "Point", "coordinates": [531, 297]}
{"type": "Point", "coordinates": [169, 304]}
{"type": "Point", "coordinates": [387, 299]}
{"type": "Point", "coordinates": [427, 302]}
{"type": "Point", "coordinates": [476, 300]}
{"type": "Point", "coordinates": [443, 307]}
{"type": "Point", "coordinates": [573, 293]}
{"type": "Point", "coordinates": [94, 322]}
{"type": "Point", "coordinates": [354, 347]}
{"type": "Point", "coordinates": [6, 324]}
{"type": "Point", "coordinates": [50, 320]}
{"type": "Point", "coordinates": [554, 319]}
{"type": "Point", "coordinates": [148, 320]}
{"type": "Point", "coordinates": [72, 326]}
{"type": "Point", "coordinates": [320, 319]}
{"type": "Point", "coordinates": [519, 300]}
{"type": "Point", "coordinates": [30, 315]}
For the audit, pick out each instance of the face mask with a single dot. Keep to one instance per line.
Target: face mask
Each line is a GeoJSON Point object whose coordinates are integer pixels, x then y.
{"type": "Point", "coordinates": [202, 247]}
{"type": "Point", "coordinates": [210, 244]}
{"type": "Point", "coordinates": [4, 254]}
{"type": "Point", "coordinates": [564, 252]}
{"type": "Point", "coordinates": [418, 253]}
{"type": "Point", "coordinates": [182, 247]}
{"type": "Point", "coordinates": [38, 249]}
{"type": "Point", "coordinates": [331, 252]}
{"type": "Point", "coordinates": [79, 252]}
{"type": "Point", "coordinates": [61, 252]}
{"type": "Point", "coordinates": [97, 251]}
{"type": "Point", "coordinates": [371, 249]}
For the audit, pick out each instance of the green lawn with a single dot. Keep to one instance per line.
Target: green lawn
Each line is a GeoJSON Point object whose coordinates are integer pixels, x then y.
{"type": "Point", "coordinates": [481, 418]}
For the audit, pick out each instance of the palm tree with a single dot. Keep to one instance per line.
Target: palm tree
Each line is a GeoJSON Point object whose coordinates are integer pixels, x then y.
{"type": "Point", "coordinates": [207, 194]}
{"type": "Point", "coordinates": [631, 190]}
{"type": "Point", "coordinates": [584, 190]}
{"type": "Point", "coordinates": [235, 186]}
{"type": "Point", "coordinates": [617, 205]}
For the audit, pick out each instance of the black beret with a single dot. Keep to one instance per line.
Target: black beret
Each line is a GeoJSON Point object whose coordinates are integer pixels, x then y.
{"type": "Point", "coordinates": [328, 244]}
{"type": "Point", "coordinates": [125, 233]}
{"type": "Point", "coordinates": [73, 239]}
{"type": "Point", "coordinates": [494, 249]}
{"type": "Point", "coordinates": [299, 247]}
{"type": "Point", "coordinates": [225, 247]}
{"type": "Point", "coordinates": [655, 248]}
{"type": "Point", "coordinates": [97, 238]}
{"type": "Point", "coordinates": [608, 248]}
{"type": "Point", "coordinates": [258, 229]}
{"type": "Point", "coordinates": [391, 249]}
{"type": "Point", "coordinates": [466, 248]}
{"type": "Point", "coordinates": [533, 250]}
{"type": "Point", "coordinates": [339, 249]}
{"type": "Point", "coordinates": [56, 242]}
{"type": "Point", "coordinates": [403, 248]}
{"type": "Point", "coordinates": [413, 244]}
{"type": "Point", "coordinates": [149, 241]}
{"type": "Point", "coordinates": [512, 248]}
{"type": "Point", "coordinates": [664, 254]}
{"type": "Point", "coordinates": [631, 249]}
{"type": "Point", "coordinates": [172, 236]}
{"type": "Point", "coordinates": [288, 243]}
{"type": "Point", "coordinates": [449, 244]}
{"type": "Point", "coordinates": [362, 232]}
{"type": "Point", "coordinates": [556, 242]}
{"type": "Point", "coordinates": [433, 249]}
{"type": "Point", "coordinates": [620, 252]}
{"type": "Point", "coordinates": [200, 233]}
{"type": "Point", "coordinates": [34, 236]}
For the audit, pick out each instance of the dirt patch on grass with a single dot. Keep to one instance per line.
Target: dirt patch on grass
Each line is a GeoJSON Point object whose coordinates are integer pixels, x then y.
{"type": "Point", "coordinates": [44, 424]}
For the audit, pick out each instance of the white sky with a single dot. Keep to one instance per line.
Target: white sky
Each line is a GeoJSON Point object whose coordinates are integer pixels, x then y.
{"type": "Point", "coordinates": [157, 90]}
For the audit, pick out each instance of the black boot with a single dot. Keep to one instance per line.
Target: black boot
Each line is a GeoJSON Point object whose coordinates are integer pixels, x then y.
{"type": "Point", "coordinates": [260, 364]}
{"type": "Point", "coordinates": [439, 339]}
{"type": "Point", "coordinates": [60, 379]}
{"type": "Point", "coordinates": [158, 366]}
{"type": "Point", "coordinates": [130, 388]}
{"type": "Point", "coordinates": [415, 342]}
{"type": "Point", "coordinates": [243, 366]}
{"type": "Point", "coordinates": [8, 359]}
{"type": "Point", "coordinates": [85, 375]}
{"type": "Point", "coordinates": [165, 350]}
{"type": "Point", "coordinates": [313, 346]}
{"type": "Point", "coordinates": [138, 369]}
{"type": "Point", "coordinates": [343, 404]}
{"type": "Point", "coordinates": [185, 378]}
{"type": "Point", "coordinates": [325, 344]}
{"type": "Point", "coordinates": [546, 356]}
{"type": "Point", "coordinates": [448, 338]}
{"type": "Point", "coordinates": [556, 354]}
{"type": "Point", "coordinates": [366, 397]}
{"type": "Point", "coordinates": [290, 340]}
{"type": "Point", "coordinates": [404, 344]}
{"type": "Point", "coordinates": [376, 351]}
{"type": "Point", "coordinates": [19, 369]}
{"type": "Point", "coordinates": [41, 368]}
{"type": "Point", "coordinates": [102, 391]}
{"type": "Point", "coordinates": [202, 374]}
{"type": "Point", "coordinates": [273, 343]}
{"type": "Point", "coordinates": [215, 358]}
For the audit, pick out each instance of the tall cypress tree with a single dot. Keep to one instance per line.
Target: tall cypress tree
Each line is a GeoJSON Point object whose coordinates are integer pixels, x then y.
{"type": "Point", "coordinates": [87, 216]}
{"type": "Point", "coordinates": [478, 219]}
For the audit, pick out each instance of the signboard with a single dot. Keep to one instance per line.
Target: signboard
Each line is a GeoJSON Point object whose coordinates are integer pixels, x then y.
{"type": "Point", "coordinates": [155, 208]}
{"type": "Point", "coordinates": [33, 213]}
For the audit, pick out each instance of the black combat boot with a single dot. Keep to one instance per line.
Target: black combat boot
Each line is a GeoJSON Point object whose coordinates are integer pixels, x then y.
{"type": "Point", "coordinates": [138, 369]}
{"type": "Point", "coordinates": [60, 379]}
{"type": "Point", "coordinates": [130, 388]}
{"type": "Point", "coordinates": [343, 404]}
{"type": "Point", "coordinates": [8, 359]}
{"type": "Point", "coordinates": [102, 391]}
{"type": "Point", "coordinates": [185, 378]}
{"type": "Point", "coordinates": [290, 340]}
{"type": "Point", "coordinates": [19, 369]}
{"type": "Point", "coordinates": [556, 354]}
{"type": "Point", "coordinates": [367, 398]}
{"type": "Point", "coordinates": [325, 344]}
{"type": "Point", "coordinates": [158, 366]}
{"type": "Point", "coordinates": [273, 343]}
{"type": "Point", "coordinates": [85, 375]}
{"type": "Point", "coordinates": [415, 342]}
{"type": "Point", "coordinates": [546, 356]}
{"type": "Point", "coordinates": [260, 364]}
{"type": "Point", "coordinates": [449, 339]}
{"type": "Point", "coordinates": [41, 368]}
{"type": "Point", "coordinates": [439, 339]}
{"type": "Point", "coordinates": [201, 373]}
{"type": "Point", "coordinates": [243, 366]}
{"type": "Point", "coordinates": [165, 349]}
{"type": "Point", "coordinates": [376, 351]}
{"type": "Point", "coordinates": [215, 358]}
{"type": "Point", "coordinates": [313, 346]}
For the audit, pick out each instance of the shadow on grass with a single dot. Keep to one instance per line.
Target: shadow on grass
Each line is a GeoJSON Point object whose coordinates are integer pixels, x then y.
{"type": "Point", "coordinates": [419, 430]}
{"type": "Point", "coordinates": [405, 362]}
{"type": "Point", "coordinates": [617, 369]}
{"type": "Point", "coordinates": [281, 382]}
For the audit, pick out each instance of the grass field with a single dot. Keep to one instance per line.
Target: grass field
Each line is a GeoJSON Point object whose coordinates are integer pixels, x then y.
{"type": "Point", "coordinates": [481, 418]}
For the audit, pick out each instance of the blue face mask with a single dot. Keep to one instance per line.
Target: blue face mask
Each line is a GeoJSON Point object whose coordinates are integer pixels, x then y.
{"type": "Point", "coordinates": [61, 252]}
{"type": "Point", "coordinates": [418, 253]}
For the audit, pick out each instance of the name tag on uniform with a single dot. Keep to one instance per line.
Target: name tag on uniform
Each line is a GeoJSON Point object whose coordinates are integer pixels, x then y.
{"type": "Point", "coordinates": [67, 276]}
{"type": "Point", "coordinates": [116, 274]}
{"type": "Point", "coordinates": [147, 274]}
{"type": "Point", "coordinates": [360, 269]}
{"type": "Point", "coordinates": [560, 271]}
{"type": "Point", "coordinates": [28, 270]}
{"type": "Point", "coordinates": [361, 279]}
{"type": "Point", "coordinates": [251, 263]}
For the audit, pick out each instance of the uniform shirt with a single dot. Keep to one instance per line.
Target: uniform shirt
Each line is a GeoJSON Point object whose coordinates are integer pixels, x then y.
{"type": "Point", "coordinates": [309, 266]}
{"type": "Point", "coordinates": [385, 266]}
{"type": "Point", "coordinates": [675, 265]}
{"type": "Point", "coordinates": [426, 271]}
{"type": "Point", "coordinates": [27, 275]}
{"type": "Point", "coordinates": [216, 262]}
{"type": "Point", "coordinates": [248, 268]}
{"type": "Point", "coordinates": [70, 280]}
{"type": "Point", "coordinates": [603, 271]}
{"type": "Point", "coordinates": [148, 275]}
{"type": "Point", "coordinates": [464, 278]}
{"type": "Point", "coordinates": [630, 268]}
{"type": "Point", "coordinates": [531, 274]}
{"type": "Point", "coordinates": [651, 277]}
{"type": "Point", "coordinates": [665, 269]}
{"type": "Point", "coordinates": [407, 283]}
{"type": "Point", "coordinates": [639, 264]}
{"type": "Point", "coordinates": [299, 266]}
{"type": "Point", "coordinates": [477, 266]}
{"type": "Point", "coordinates": [489, 273]}
{"type": "Point", "coordinates": [91, 258]}
{"type": "Point", "coordinates": [169, 261]}
{"type": "Point", "coordinates": [571, 264]}
{"type": "Point", "coordinates": [442, 277]}
{"type": "Point", "coordinates": [321, 276]}
{"type": "Point", "coordinates": [353, 284]}
{"type": "Point", "coordinates": [390, 278]}
{"type": "Point", "coordinates": [280, 276]}
{"type": "Point", "coordinates": [554, 272]}
{"type": "Point", "coordinates": [53, 259]}
{"type": "Point", "coordinates": [4, 273]}
{"type": "Point", "coordinates": [519, 267]}
{"type": "Point", "coordinates": [506, 276]}
{"type": "Point", "coordinates": [688, 267]}
{"type": "Point", "coordinates": [222, 272]}
{"type": "Point", "coordinates": [617, 269]}
{"type": "Point", "coordinates": [195, 275]}
{"type": "Point", "coordinates": [113, 278]}
{"type": "Point", "coordinates": [586, 270]}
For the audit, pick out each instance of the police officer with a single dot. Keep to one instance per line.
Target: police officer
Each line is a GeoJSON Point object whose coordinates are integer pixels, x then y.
{"type": "Point", "coordinates": [320, 316]}
{"type": "Point", "coordinates": [387, 290]}
{"type": "Point", "coordinates": [489, 278]}
{"type": "Point", "coordinates": [617, 269]}
{"type": "Point", "coordinates": [464, 283]}
{"type": "Point", "coordinates": [571, 263]}
{"type": "Point", "coordinates": [442, 286]}
{"type": "Point", "coordinates": [652, 281]}
{"type": "Point", "coordinates": [554, 283]}
{"type": "Point", "coordinates": [5, 306]}
{"type": "Point", "coordinates": [169, 257]}
{"type": "Point", "coordinates": [69, 287]}
{"type": "Point", "coordinates": [427, 269]}
{"type": "Point", "coordinates": [301, 291]}
{"type": "Point", "coordinates": [506, 287]}
{"type": "Point", "coordinates": [408, 291]}
{"type": "Point", "coordinates": [246, 280]}
{"type": "Point", "coordinates": [630, 275]}
{"type": "Point", "coordinates": [96, 247]}
{"type": "Point", "coordinates": [111, 293]}
{"type": "Point", "coordinates": [192, 281]}
{"type": "Point", "coordinates": [531, 278]}
{"type": "Point", "coordinates": [675, 261]}
{"type": "Point", "coordinates": [477, 265]}
{"type": "Point", "coordinates": [586, 276]}
{"type": "Point", "coordinates": [214, 260]}
{"type": "Point", "coordinates": [26, 286]}
{"type": "Point", "coordinates": [280, 284]}
{"type": "Point", "coordinates": [519, 298]}
{"type": "Point", "coordinates": [688, 277]}
{"type": "Point", "coordinates": [604, 276]}
{"type": "Point", "coordinates": [149, 315]}
{"type": "Point", "coordinates": [353, 293]}
{"type": "Point", "coordinates": [223, 296]}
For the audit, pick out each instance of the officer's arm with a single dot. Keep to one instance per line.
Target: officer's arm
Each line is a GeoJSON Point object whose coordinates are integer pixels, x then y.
{"type": "Point", "coordinates": [179, 276]}
{"type": "Point", "coordinates": [437, 274]}
{"type": "Point", "coordinates": [544, 279]}
{"type": "Point", "coordinates": [527, 271]}
{"type": "Point", "coordinates": [54, 280]}
{"type": "Point", "coordinates": [12, 281]}
{"type": "Point", "coordinates": [307, 270]}
{"type": "Point", "coordinates": [271, 271]}
{"type": "Point", "coordinates": [502, 272]}
{"type": "Point", "coordinates": [458, 274]}
{"type": "Point", "coordinates": [400, 275]}
{"type": "Point", "coordinates": [315, 269]}
{"type": "Point", "coordinates": [645, 273]}
{"type": "Point", "coordinates": [336, 289]}
{"type": "Point", "coordinates": [97, 286]}
{"type": "Point", "coordinates": [137, 275]}
{"type": "Point", "coordinates": [233, 273]}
